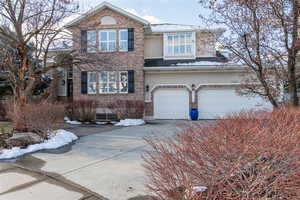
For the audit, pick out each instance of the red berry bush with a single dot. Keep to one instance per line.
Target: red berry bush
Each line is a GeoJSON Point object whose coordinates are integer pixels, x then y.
{"type": "Point", "coordinates": [248, 156]}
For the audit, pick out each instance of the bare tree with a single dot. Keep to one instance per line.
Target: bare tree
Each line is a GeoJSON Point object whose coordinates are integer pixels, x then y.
{"type": "Point", "coordinates": [28, 30]}
{"type": "Point", "coordinates": [262, 34]}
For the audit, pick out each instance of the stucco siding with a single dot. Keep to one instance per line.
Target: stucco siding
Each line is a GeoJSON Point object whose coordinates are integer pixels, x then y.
{"type": "Point", "coordinates": [205, 45]}
{"type": "Point", "coordinates": [154, 46]}
{"type": "Point", "coordinates": [190, 78]}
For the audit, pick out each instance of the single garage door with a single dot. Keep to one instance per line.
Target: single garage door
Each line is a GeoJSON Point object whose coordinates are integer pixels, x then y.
{"type": "Point", "coordinates": [218, 102]}
{"type": "Point", "coordinates": [171, 103]}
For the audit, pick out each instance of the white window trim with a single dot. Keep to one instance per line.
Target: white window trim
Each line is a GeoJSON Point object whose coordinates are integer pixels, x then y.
{"type": "Point", "coordinates": [119, 82]}
{"type": "Point", "coordinates": [95, 42]}
{"type": "Point", "coordinates": [122, 40]}
{"type": "Point", "coordinates": [88, 83]}
{"type": "Point", "coordinates": [107, 41]}
{"type": "Point", "coordinates": [108, 82]}
{"type": "Point", "coordinates": [166, 56]}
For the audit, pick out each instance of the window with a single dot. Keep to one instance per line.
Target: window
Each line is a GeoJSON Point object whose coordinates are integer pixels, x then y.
{"type": "Point", "coordinates": [92, 82]}
{"type": "Point", "coordinates": [108, 20]}
{"type": "Point", "coordinates": [123, 40]}
{"type": "Point", "coordinates": [107, 82]}
{"type": "Point", "coordinates": [91, 41]}
{"type": "Point", "coordinates": [107, 40]}
{"type": "Point", "coordinates": [123, 82]}
{"type": "Point", "coordinates": [179, 44]}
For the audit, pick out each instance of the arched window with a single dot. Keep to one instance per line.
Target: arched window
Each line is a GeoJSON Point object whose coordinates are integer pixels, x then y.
{"type": "Point", "coordinates": [108, 20]}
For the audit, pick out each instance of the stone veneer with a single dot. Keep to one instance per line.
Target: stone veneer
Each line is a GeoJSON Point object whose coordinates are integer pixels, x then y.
{"type": "Point", "coordinates": [111, 61]}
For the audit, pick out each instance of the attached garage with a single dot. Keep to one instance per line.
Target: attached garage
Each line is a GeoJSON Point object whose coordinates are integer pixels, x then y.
{"type": "Point", "coordinates": [218, 102]}
{"type": "Point", "coordinates": [171, 103]}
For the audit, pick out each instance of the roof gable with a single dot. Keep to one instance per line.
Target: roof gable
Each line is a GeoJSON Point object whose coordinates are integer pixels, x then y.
{"type": "Point", "coordinates": [101, 7]}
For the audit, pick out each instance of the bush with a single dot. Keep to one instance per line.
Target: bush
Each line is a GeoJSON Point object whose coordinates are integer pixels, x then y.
{"type": "Point", "coordinates": [37, 118]}
{"type": "Point", "coordinates": [82, 110]}
{"type": "Point", "coordinates": [248, 156]}
{"type": "Point", "coordinates": [128, 108]}
{"type": "Point", "coordinates": [3, 111]}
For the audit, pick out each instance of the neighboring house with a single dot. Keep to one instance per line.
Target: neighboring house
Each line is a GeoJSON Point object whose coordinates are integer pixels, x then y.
{"type": "Point", "coordinates": [172, 68]}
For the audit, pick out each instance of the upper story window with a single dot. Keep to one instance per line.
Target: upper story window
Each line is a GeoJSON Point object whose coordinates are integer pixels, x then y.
{"type": "Point", "coordinates": [179, 45]}
{"type": "Point", "coordinates": [107, 40]}
{"type": "Point", "coordinates": [123, 40]}
{"type": "Point", "coordinates": [91, 41]}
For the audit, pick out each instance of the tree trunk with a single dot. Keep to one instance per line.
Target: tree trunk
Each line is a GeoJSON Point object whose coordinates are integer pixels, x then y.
{"type": "Point", "coordinates": [292, 81]}
{"type": "Point", "coordinates": [294, 100]}
{"type": "Point", "coordinates": [20, 101]}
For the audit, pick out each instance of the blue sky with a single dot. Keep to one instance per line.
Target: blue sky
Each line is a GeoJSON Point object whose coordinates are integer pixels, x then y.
{"type": "Point", "coordinates": [171, 11]}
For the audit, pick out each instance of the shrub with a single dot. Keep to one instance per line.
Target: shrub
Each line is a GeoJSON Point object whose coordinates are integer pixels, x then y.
{"type": "Point", "coordinates": [82, 110]}
{"type": "Point", "coordinates": [38, 118]}
{"type": "Point", "coordinates": [128, 108]}
{"type": "Point", "coordinates": [3, 111]}
{"type": "Point", "coordinates": [248, 156]}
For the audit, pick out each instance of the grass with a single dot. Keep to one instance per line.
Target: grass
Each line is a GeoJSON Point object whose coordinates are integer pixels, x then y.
{"type": "Point", "coordinates": [5, 127]}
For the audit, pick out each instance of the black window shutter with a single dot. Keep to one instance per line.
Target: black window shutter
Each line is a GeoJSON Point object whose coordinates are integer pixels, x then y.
{"type": "Point", "coordinates": [131, 81]}
{"type": "Point", "coordinates": [131, 39]}
{"type": "Point", "coordinates": [84, 41]}
{"type": "Point", "coordinates": [84, 82]}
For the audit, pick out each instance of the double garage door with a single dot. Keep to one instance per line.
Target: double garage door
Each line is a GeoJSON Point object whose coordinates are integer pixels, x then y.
{"type": "Point", "coordinates": [212, 103]}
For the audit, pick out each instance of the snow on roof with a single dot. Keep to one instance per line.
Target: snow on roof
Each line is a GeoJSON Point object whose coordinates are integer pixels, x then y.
{"type": "Point", "coordinates": [208, 63]}
{"type": "Point", "coordinates": [172, 27]}
{"type": "Point", "coordinates": [200, 63]}
{"type": "Point", "coordinates": [167, 27]}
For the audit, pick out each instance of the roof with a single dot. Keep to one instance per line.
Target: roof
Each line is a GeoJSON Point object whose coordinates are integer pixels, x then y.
{"type": "Point", "coordinates": [102, 6]}
{"type": "Point", "coordinates": [167, 27]}
{"type": "Point", "coordinates": [61, 45]}
{"type": "Point", "coordinates": [213, 68]}
{"type": "Point", "coordinates": [219, 59]}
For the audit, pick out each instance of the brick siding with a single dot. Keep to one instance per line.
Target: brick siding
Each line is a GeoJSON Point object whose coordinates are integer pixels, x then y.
{"type": "Point", "coordinates": [112, 61]}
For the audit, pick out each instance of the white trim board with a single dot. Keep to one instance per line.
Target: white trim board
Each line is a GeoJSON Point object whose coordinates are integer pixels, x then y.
{"type": "Point", "coordinates": [149, 100]}
{"type": "Point", "coordinates": [102, 6]}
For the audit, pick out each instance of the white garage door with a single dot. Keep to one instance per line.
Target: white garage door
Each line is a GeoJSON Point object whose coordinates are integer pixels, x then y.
{"type": "Point", "coordinates": [218, 102]}
{"type": "Point", "coordinates": [171, 103]}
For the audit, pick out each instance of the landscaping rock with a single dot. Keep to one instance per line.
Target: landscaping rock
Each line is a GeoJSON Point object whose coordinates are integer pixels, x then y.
{"type": "Point", "coordinates": [4, 136]}
{"type": "Point", "coordinates": [23, 139]}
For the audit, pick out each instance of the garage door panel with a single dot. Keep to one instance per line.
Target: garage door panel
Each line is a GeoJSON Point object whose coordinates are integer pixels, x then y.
{"type": "Point", "coordinates": [219, 102]}
{"type": "Point", "coordinates": [171, 104]}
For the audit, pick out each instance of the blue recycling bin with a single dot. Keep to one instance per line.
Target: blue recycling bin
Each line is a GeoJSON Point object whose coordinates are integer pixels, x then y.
{"type": "Point", "coordinates": [194, 114]}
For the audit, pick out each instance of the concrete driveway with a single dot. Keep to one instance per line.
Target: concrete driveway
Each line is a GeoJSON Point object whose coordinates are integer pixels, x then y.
{"type": "Point", "coordinates": [105, 164]}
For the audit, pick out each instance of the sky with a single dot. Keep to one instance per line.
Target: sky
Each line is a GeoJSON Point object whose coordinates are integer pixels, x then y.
{"type": "Point", "coordinates": [157, 11]}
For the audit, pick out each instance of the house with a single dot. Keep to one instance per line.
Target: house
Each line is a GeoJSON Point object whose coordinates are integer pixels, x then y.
{"type": "Point", "coordinates": [171, 67]}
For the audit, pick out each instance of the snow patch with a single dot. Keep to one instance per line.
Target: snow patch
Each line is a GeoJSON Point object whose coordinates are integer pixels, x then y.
{"type": "Point", "coordinates": [68, 121]}
{"type": "Point", "coordinates": [101, 123]}
{"type": "Point", "coordinates": [57, 139]}
{"type": "Point", "coordinates": [198, 189]}
{"type": "Point", "coordinates": [200, 63]}
{"type": "Point", "coordinates": [131, 122]}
